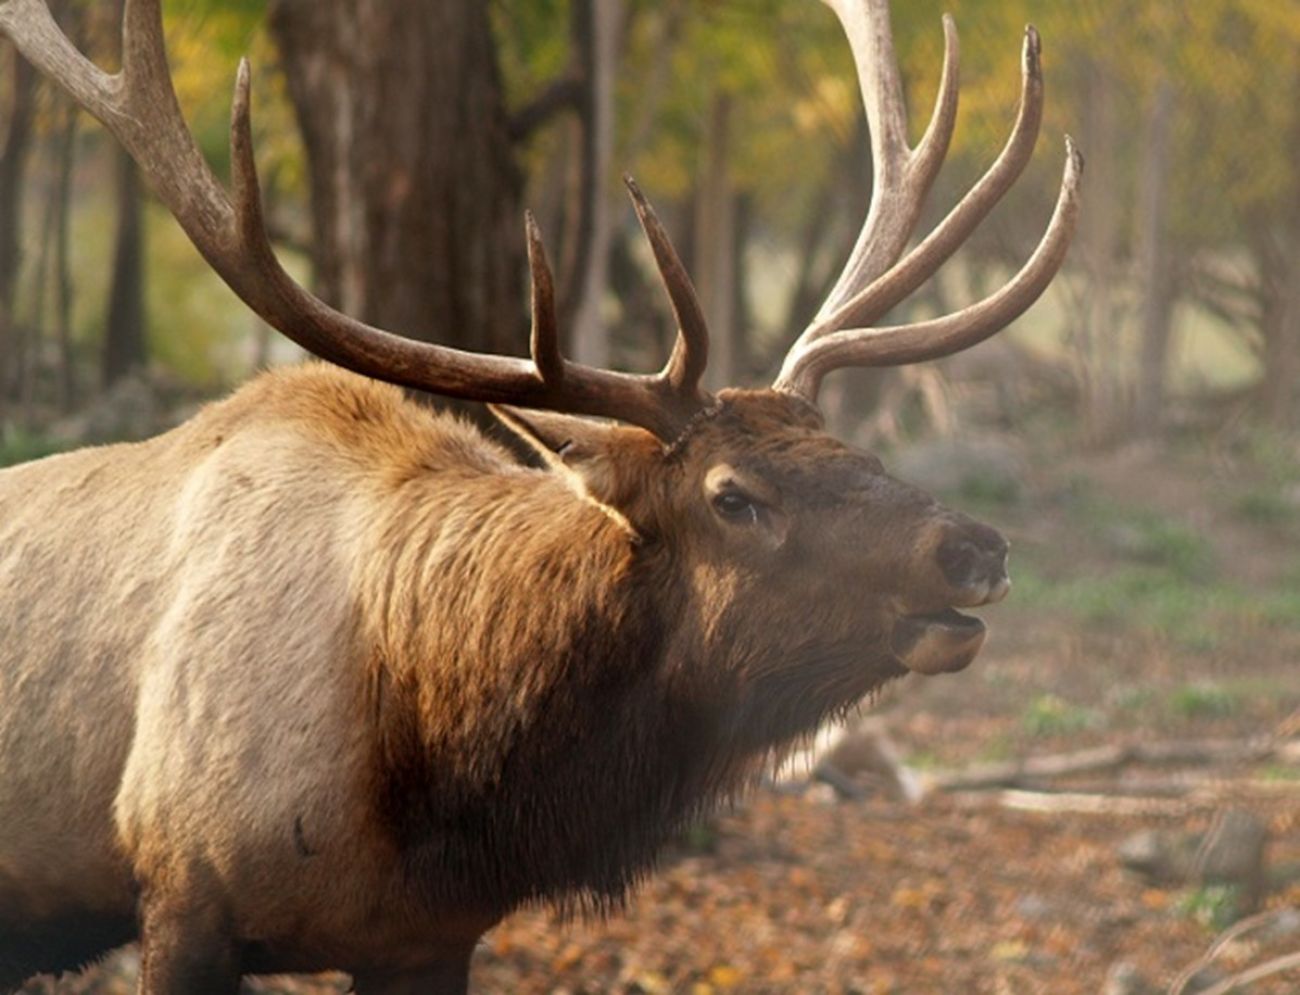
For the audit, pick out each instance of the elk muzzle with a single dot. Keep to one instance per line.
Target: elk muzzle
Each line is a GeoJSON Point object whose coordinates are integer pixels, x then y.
{"type": "Point", "coordinates": [970, 560]}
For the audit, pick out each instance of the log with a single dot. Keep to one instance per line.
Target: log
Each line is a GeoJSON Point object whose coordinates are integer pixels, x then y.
{"type": "Point", "coordinates": [1030, 770]}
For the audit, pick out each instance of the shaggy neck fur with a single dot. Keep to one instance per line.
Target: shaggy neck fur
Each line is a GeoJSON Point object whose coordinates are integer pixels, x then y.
{"type": "Point", "coordinates": [545, 743]}
{"type": "Point", "coordinates": [551, 697]}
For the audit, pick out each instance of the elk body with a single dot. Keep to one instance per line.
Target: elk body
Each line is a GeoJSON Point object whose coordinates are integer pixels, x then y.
{"type": "Point", "coordinates": [321, 680]}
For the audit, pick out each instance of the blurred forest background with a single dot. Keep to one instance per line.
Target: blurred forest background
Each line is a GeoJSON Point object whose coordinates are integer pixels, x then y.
{"type": "Point", "coordinates": [1135, 433]}
{"type": "Point", "coordinates": [400, 152]}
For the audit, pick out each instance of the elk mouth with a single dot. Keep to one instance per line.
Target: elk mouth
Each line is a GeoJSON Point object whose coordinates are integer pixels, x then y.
{"type": "Point", "coordinates": [937, 642]}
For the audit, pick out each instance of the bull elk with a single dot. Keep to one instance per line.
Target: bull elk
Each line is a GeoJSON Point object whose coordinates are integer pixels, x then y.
{"type": "Point", "coordinates": [322, 680]}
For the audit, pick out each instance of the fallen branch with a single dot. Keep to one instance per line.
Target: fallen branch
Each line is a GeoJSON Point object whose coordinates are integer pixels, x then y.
{"type": "Point", "coordinates": [1075, 803]}
{"type": "Point", "coordinates": [1234, 932]}
{"type": "Point", "coordinates": [1183, 785]}
{"type": "Point", "coordinates": [1267, 969]}
{"type": "Point", "coordinates": [1023, 773]}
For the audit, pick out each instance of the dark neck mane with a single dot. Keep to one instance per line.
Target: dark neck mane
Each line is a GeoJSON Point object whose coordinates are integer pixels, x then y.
{"type": "Point", "coordinates": [532, 742]}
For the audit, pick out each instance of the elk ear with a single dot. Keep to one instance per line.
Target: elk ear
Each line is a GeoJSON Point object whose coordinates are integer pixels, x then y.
{"type": "Point", "coordinates": [602, 460]}
{"type": "Point", "coordinates": [560, 440]}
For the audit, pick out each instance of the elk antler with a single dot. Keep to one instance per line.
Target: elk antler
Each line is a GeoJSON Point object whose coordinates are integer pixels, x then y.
{"type": "Point", "coordinates": [138, 106]}
{"type": "Point", "coordinates": [873, 280]}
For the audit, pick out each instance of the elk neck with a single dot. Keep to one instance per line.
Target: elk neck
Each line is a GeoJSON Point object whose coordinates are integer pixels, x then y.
{"type": "Point", "coordinates": [537, 684]}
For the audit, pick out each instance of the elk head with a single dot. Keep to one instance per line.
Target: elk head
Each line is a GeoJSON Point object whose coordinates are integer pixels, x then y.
{"type": "Point", "coordinates": [811, 575]}
{"type": "Point", "coordinates": [745, 488]}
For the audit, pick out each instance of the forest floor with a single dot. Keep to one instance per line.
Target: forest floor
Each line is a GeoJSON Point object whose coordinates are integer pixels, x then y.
{"type": "Point", "coordinates": [1157, 600]}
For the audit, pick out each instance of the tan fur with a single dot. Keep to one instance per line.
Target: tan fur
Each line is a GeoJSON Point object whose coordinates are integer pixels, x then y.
{"type": "Point", "coordinates": [335, 682]}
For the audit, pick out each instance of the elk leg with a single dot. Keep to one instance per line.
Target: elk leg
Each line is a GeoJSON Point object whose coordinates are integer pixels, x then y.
{"type": "Point", "coordinates": [186, 949]}
{"type": "Point", "coordinates": [448, 977]}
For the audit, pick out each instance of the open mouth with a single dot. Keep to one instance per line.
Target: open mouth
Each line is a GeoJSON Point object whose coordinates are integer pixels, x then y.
{"type": "Point", "coordinates": [937, 642]}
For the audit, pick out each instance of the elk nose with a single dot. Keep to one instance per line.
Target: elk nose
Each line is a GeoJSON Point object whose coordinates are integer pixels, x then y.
{"type": "Point", "coordinates": [973, 559]}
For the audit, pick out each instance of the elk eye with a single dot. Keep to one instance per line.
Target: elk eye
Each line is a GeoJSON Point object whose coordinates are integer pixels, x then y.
{"type": "Point", "coordinates": [736, 506]}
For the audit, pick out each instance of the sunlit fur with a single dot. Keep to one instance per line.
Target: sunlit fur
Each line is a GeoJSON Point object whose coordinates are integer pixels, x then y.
{"type": "Point", "coordinates": [335, 682]}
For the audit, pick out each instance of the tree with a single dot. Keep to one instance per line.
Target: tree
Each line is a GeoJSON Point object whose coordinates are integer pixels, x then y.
{"type": "Point", "coordinates": [415, 190]}
{"type": "Point", "coordinates": [15, 144]}
{"type": "Point", "coordinates": [1155, 262]}
{"type": "Point", "coordinates": [597, 30]}
{"type": "Point", "coordinates": [124, 329]}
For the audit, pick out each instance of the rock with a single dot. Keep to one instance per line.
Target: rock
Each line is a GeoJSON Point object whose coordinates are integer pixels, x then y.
{"type": "Point", "coordinates": [1285, 926]}
{"type": "Point", "coordinates": [1124, 978]}
{"type": "Point", "coordinates": [1159, 857]}
{"type": "Point", "coordinates": [1207, 977]}
{"type": "Point", "coordinates": [1232, 853]}
{"type": "Point", "coordinates": [822, 794]}
{"type": "Point", "coordinates": [856, 758]}
{"type": "Point", "coordinates": [1033, 908]}
{"type": "Point", "coordinates": [866, 755]}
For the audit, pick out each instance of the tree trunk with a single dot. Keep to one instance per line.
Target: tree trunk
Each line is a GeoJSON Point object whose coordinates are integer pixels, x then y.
{"type": "Point", "coordinates": [63, 286]}
{"type": "Point", "coordinates": [1097, 349]}
{"type": "Point", "coordinates": [715, 252]}
{"type": "Point", "coordinates": [1280, 283]}
{"type": "Point", "coordinates": [1280, 324]}
{"type": "Point", "coordinates": [825, 242]}
{"type": "Point", "coordinates": [743, 314]}
{"type": "Point", "coordinates": [414, 186]}
{"type": "Point", "coordinates": [124, 334]}
{"type": "Point", "coordinates": [603, 24]}
{"type": "Point", "coordinates": [15, 144]}
{"type": "Point", "coordinates": [1155, 263]}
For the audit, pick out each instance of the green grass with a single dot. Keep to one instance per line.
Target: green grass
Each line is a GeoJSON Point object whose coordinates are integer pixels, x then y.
{"type": "Point", "coordinates": [1265, 505]}
{"type": "Point", "coordinates": [996, 748]}
{"type": "Point", "coordinates": [1134, 597]}
{"type": "Point", "coordinates": [1193, 608]}
{"type": "Point", "coordinates": [1131, 699]}
{"type": "Point", "coordinates": [1280, 608]}
{"type": "Point", "coordinates": [925, 760]}
{"type": "Point", "coordinates": [1051, 715]}
{"type": "Point", "coordinates": [1216, 906]}
{"type": "Point", "coordinates": [1174, 546]}
{"type": "Point", "coordinates": [987, 492]}
{"type": "Point", "coordinates": [1280, 772]}
{"type": "Point", "coordinates": [18, 446]}
{"type": "Point", "coordinates": [1148, 537]}
{"type": "Point", "coordinates": [1203, 700]}
{"type": "Point", "coordinates": [1273, 452]}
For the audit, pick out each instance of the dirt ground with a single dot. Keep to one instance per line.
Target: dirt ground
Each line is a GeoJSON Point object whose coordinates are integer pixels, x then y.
{"type": "Point", "coordinates": [1161, 602]}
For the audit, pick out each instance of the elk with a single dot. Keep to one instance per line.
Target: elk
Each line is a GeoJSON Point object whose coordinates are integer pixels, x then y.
{"type": "Point", "coordinates": [324, 680]}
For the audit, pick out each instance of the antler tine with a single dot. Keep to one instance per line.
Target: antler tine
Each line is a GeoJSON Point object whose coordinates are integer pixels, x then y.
{"type": "Point", "coordinates": [690, 355]}
{"type": "Point", "coordinates": [144, 56]}
{"type": "Point", "coordinates": [139, 107]}
{"type": "Point", "coordinates": [245, 189]}
{"type": "Point", "coordinates": [544, 342]}
{"type": "Point", "coordinates": [49, 50]}
{"type": "Point", "coordinates": [897, 346]}
{"type": "Point", "coordinates": [901, 176]}
{"type": "Point", "coordinates": [920, 263]}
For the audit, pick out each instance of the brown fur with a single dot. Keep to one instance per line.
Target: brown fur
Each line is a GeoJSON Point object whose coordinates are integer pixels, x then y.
{"type": "Point", "coordinates": [334, 682]}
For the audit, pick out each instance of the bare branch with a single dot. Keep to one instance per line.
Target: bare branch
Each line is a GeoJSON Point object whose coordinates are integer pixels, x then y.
{"type": "Point", "coordinates": [1017, 773]}
{"type": "Point", "coordinates": [1288, 962]}
{"type": "Point", "coordinates": [558, 96]}
{"type": "Point", "coordinates": [1233, 932]}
